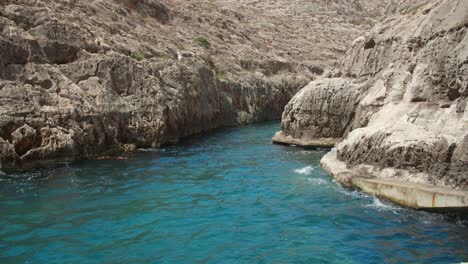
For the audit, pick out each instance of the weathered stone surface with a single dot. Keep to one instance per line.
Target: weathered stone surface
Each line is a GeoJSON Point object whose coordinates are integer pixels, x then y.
{"type": "Point", "coordinates": [105, 102]}
{"type": "Point", "coordinates": [8, 156]}
{"type": "Point", "coordinates": [323, 109]}
{"type": "Point", "coordinates": [86, 78]}
{"type": "Point", "coordinates": [152, 8]}
{"type": "Point", "coordinates": [408, 121]}
{"type": "Point", "coordinates": [412, 194]}
{"type": "Point", "coordinates": [281, 138]}
{"type": "Point", "coordinates": [60, 42]}
{"type": "Point", "coordinates": [24, 139]}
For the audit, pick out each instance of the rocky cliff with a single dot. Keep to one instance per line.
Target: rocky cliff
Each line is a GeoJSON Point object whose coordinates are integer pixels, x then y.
{"type": "Point", "coordinates": [85, 78]}
{"type": "Point", "coordinates": [398, 100]}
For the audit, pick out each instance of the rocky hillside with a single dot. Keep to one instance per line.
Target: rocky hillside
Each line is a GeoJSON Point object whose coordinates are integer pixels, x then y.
{"type": "Point", "coordinates": [84, 78]}
{"type": "Point", "coordinates": [398, 100]}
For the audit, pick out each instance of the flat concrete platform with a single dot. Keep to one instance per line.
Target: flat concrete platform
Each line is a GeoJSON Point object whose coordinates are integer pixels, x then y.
{"type": "Point", "coordinates": [415, 195]}
{"type": "Point", "coordinates": [281, 138]}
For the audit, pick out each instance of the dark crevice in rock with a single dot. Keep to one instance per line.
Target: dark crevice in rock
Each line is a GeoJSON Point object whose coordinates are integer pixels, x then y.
{"type": "Point", "coordinates": [46, 84]}
{"type": "Point", "coordinates": [418, 99]}
{"type": "Point", "coordinates": [453, 94]}
{"type": "Point", "coordinates": [369, 44]}
{"type": "Point", "coordinates": [450, 152]}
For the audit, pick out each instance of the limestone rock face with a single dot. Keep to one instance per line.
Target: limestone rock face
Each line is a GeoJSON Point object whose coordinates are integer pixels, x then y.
{"type": "Point", "coordinates": [99, 103]}
{"type": "Point", "coordinates": [153, 8]}
{"type": "Point", "coordinates": [323, 109]}
{"type": "Point", "coordinates": [85, 78]}
{"type": "Point", "coordinates": [408, 118]}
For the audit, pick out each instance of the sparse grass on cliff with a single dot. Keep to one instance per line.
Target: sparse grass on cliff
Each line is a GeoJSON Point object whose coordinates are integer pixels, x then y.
{"type": "Point", "coordinates": [203, 42]}
{"type": "Point", "coordinates": [139, 56]}
{"type": "Point", "coordinates": [220, 74]}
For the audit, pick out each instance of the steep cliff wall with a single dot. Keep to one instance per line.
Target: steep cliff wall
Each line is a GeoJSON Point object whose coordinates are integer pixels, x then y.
{"type": "Point", "coordinates": [85, 78]}
{"type": "Point", "coordinates": [100, 103]}
{"type": "Point", "coordinates": [398, 98]}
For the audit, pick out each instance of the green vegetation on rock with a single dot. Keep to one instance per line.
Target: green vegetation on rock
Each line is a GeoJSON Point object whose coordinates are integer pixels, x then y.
{"type": "Point", "coordinates": [139, 56]}
{"type": "Point", "coordinates": [203, 42]}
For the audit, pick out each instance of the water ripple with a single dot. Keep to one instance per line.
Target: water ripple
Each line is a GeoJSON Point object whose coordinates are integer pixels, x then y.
{"type": "Point", "coordinates": [306, 170]}
{"type": "Point", "coordinates": [228, 197]}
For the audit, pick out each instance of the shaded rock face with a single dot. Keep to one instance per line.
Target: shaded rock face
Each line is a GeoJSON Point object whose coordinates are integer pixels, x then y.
{"type": "Point", "coordinates": [409, 115]}
{"type": "Point", "coordinates": [24, 139]}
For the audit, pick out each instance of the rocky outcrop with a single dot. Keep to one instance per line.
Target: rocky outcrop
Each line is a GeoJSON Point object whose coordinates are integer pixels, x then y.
{"type": "Point", "coordinates": [321, 113]}
{"type": "Point", "coordinates": [401, 100]}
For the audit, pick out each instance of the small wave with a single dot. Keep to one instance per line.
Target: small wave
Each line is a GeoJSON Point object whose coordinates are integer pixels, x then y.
{"type": "Point", "coordinates": [317, 181]}
{"type": "Point", "coordinates": [306, 170]}
{"type": "Point", "coordinates": [379, 205]}
{"type": "Point", "coordinates": [307, 152]}
{"type": "Point", "coordinates": [351, 192]}
{"type": "Point", "coordinates": [370, 200]}
{"type": "Point", "coordinates": [462, 222]}
{"type": "Point", "coordinates": [147, 150]}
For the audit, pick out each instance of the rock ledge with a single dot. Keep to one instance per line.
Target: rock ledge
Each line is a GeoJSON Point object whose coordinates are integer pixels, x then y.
{"type": "Point", "coordinates": [411, 194]}
{"type": "Point", "coordinates": [399, 100]}
{"type": "Point", "coordinates": [281, 138]}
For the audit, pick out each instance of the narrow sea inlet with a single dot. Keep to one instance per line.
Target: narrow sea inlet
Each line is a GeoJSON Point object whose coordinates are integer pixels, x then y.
{"type": "Point", "coordinates": [226, 197]}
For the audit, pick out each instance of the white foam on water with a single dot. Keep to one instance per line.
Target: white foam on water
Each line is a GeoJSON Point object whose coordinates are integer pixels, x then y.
{"type": "Point", "coordinates": [371, 201]}
{"type": "Point", "coordinates": [149, 150]}
{"type": "Point", "coordinates": [462, 222]}
{"type": "Point", "coordinates": [349, 192]}
{"type": "Point", "coordinates": [307, 152]}
{"type": "Point", "coordinates": [317, 181]}
{"type": "Point", "coordinates": [306, 170]}
{"type": "Point", "coordinates": [379, 205]}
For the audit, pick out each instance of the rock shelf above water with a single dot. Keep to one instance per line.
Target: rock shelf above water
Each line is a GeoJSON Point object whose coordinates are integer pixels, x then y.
{"type": "Point", "coordinates": [412, 194]}
{"type": "Point", "coordinates": [399, 100]}
{"type": "Point", "coordinates": [280, 138]}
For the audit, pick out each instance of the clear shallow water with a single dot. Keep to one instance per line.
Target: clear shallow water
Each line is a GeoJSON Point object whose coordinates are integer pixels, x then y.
{"type": "Point", "coordinates": [226, 197]}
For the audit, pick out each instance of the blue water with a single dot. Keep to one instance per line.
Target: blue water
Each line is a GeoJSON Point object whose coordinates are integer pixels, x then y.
{"type": "Point", "coordinates": [227, 197]}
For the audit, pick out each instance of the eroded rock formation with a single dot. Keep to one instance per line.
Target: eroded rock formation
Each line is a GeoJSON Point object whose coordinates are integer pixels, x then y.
{"type": "Point", "coordinates": [398, 98]}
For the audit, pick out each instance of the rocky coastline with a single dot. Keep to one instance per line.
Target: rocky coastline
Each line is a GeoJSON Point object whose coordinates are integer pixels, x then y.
{"type": "Point", "coordinates": [81, 79]}
{"type": "Point", "coordinates": [399, 101]}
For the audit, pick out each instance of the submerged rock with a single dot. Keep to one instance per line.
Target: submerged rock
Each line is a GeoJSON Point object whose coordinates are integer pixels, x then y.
{"type": "Point", "coordinates": [400, 103]}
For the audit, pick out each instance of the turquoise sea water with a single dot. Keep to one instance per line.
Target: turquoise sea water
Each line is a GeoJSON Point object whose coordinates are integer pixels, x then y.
{"type": "Point", "coordinates": [227, 197]}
